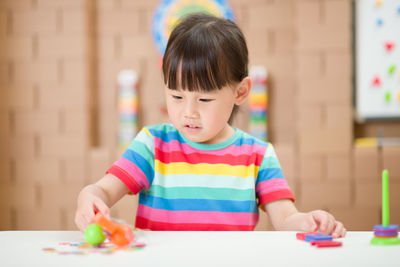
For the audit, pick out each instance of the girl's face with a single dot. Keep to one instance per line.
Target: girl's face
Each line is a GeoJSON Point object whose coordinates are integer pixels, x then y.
{"type": "Point", "coordinates": [202, 117]}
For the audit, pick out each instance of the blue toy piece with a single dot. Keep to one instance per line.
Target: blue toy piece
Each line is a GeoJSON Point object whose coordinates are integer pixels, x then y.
{"type": "Point", "coordinates": [317, 237]}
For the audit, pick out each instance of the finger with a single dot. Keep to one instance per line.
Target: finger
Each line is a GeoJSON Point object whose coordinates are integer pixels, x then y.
{"type": "Point", "coordinates": [338, 231]}
{"type": "Point", "coordinates": [321, 218]}
{"type": "Point", "coordinates": [101, 207]}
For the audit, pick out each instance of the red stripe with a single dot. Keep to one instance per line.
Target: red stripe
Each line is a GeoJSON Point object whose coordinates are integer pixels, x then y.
{"type": "Point", "coordinates": [144, 223]}
{"type": "Point", "coordinates": [195, 158]}
{"type": "Point", "coordinates": [128, 180]}
{"type": "Point", "coordinates": [276, 195]}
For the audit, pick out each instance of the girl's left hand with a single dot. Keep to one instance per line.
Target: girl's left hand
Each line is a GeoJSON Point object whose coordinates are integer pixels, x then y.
{"type": "Point", "coordinates": [323, 222]}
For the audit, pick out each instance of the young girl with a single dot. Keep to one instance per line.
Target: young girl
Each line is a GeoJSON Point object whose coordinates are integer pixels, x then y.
{"type": "Point", "coordinates": [200, 173]}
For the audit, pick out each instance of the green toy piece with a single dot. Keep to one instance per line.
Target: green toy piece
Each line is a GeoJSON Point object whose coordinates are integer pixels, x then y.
{"type": "Point", "coordinates": [385, 241]}
{"type": "Point", "coordinates": [94, 234]}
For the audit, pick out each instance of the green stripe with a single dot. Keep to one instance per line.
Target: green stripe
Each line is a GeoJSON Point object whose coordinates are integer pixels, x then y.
{"type": "Point", "coordinates": [143, 150]}
{"type": "Point", "coordinates": [202, 193]}
{"type": "Point", "coordinates": [270, 162]}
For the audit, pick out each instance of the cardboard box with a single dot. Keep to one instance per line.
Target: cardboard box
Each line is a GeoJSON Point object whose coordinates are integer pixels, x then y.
{"type": "Point", "coordinates": [58, 195]}
{"type": "Point", "coordinates": [42, 4]}
{"type": "Point", "coordinates": [55, 97]}
{"type": "Point", "coordinates": [368, 194]}
{"type": "Point", "coordinates": [16, 4]}
{"type": "Point", "coordinates": [325, 195]}
{"type": "Point", "coordinates": [108, 48]}
{"type": "Point", "coordinates": [4, 74]}
{"type": "Point", "coordinates": [16, 48]}
{"type": "Point", "coordinates": [74, 22]}
{"type": "Point", "coordinates": [5, 171]}
{"type": "Point", "coordinates": [358, 218]}
{"type": "Point", "coordinates": [5, 123]}
{"type": "Point", "coordinates": [308, 65]}
{"type": "Point", "coordinates": [37, 171]}
{"type": "Point", "coordinates": [339, 167]}
{"type": "Point", "coordinates": [63, 146]}
{"type": "Point", "coordinates": [74, 170]}
{"type": "Point", "coordinates": [17, 97]}
{"type": "Point", "coordinates": [307, 13]}
{"type": "Point", "coordinates": [288, 160]}
{"type": "Point", "coordinates": [3, 23]}
{"type": "Point", "coordinates": [61, 47]}
{"type": "Point", "coordinates": [39, 21]}
{"type": "Point", "coordinates": [6, 219]}
{"type": "Point", "coordinates": [75, 73]}
{"type": "Point", "coordinates": [36, 72]}
{"type": "Point", "coordinates": [312, 168]}
{"type": "Point", "coordinates": [42, 123]}
{"type": "Point", "coordinates": [338, 64]}
{"type": "Point", "coordinates": [11, 196]}
{"type": "Point", "coordinates": [117, 21]}
{"type": "Point", "coordinates": [75, 122]}
{"type": "Point", "coordinates": [310, 117]}
{"type": "Point", "coordinates": [259, 42]}
{"type": "Point", "coordinates": [366, 164]}
{"type": "Point", "coordinates": [100, 160]}
{"type": "Point", "coordinates": [18, 147]}
{"type": "Point", "coordinates": [390, 161]}
{"type": "Point", "coordinates": [139, 46]}
{"type": "Point", "coordinates": [38, 219]}
{"type": "Point", "coordinates": [337, 13]}
{"type": "Point", "coordinates": [273, 15]}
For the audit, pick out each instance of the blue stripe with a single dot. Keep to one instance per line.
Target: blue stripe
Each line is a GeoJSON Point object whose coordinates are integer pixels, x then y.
{"type": "Point", "coordinates": [269, 173]}
{"type": "Point", "coordinates": [140, 162]}
{"type": "Point", "coordinates": [197, 204]}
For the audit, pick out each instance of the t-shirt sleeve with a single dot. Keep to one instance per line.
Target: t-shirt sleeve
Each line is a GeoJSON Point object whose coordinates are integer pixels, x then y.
{"type": "Point", "coordinates": [135, 168]}
{"type": "Point", "coordinates": [270, 183]}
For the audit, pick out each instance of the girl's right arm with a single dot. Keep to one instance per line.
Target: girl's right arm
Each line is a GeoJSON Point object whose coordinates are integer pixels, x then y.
{"type": "Point", "coordinates": [98, 197]}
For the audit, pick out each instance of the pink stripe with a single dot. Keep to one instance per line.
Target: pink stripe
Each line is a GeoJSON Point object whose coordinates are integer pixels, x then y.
{"type": "Point", "coordinates": [214, 217]}
{"type": "Point", "coordinates": [134, 171]}
{"type": "Point", "coordinates": [271, 185]}
{"type": "Point", "coordinates": [175, 145]}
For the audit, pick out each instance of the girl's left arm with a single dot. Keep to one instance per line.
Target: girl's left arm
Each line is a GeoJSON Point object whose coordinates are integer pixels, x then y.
{"type": "Point", "coordinates": [285, 217]}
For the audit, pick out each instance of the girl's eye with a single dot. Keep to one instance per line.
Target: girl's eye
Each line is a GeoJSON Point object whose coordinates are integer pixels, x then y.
{"type": "Point", "coordinates": [205, 100]}
{"type": "Point", "coordinates": [176, 97]}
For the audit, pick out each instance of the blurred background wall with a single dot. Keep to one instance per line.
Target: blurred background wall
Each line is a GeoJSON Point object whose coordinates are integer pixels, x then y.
{"type": "Point", "coordinates": [59, 61]}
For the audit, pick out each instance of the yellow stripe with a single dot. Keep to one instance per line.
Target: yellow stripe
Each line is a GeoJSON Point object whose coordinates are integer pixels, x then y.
{"type": "Point", "coordinates": [205, 169]}
{"type": "Point", "coordinates": [147, 131]}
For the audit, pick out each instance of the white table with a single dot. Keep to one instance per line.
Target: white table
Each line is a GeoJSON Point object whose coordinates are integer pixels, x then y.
{"type": "Point", "coordinates": [25, 248]}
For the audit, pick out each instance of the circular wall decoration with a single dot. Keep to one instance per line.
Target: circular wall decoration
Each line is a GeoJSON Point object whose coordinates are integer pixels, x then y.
{"type": "Point", "coordinates": [169, 12]}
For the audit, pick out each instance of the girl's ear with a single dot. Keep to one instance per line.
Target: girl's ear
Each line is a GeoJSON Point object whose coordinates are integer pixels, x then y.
{"type": "Point", "coordinates": [243, 90]}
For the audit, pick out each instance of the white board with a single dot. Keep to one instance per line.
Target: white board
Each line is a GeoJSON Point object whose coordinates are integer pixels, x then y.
{"type": "Point", "coordinates": [377, 93]}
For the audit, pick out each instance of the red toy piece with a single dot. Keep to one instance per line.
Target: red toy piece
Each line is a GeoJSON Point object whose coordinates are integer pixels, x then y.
{"type": "Point", "coordinates": [302, 236]}
{"type": "Point", "coordinates": [325, 244]}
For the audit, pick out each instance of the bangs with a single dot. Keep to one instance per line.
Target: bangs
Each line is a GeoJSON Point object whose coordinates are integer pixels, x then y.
{"type": "Point", "coordinates": [195, 68]}
{"type": "Point", "coordinates": [204, 53]}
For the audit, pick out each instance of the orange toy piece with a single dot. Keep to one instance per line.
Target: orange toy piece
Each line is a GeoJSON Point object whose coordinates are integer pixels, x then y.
{"type": "Point", "coordinates": [120, 234]}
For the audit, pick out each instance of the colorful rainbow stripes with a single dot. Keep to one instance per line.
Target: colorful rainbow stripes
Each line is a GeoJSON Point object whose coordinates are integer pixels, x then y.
{"type": "Point", "coordinates": [189, 186]}
{"type": "Point", "coordinates": [258, 103]}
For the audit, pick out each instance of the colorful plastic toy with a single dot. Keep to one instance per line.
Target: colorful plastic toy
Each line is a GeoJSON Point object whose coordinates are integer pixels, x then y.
{"type": "Point", "coordinates": [119, 234]}
{"type": "Point", "coordinates": [94, 234]}
{"type": "Point", "coordinates": [385, 233]}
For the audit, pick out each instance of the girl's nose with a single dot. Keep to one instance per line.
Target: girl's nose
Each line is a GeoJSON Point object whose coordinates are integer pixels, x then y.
{"type": "Point", "coordinates": [191, 110]}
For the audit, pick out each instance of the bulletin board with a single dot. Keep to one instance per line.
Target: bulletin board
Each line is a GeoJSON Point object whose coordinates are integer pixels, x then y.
{"type": "Point", "coordinates": [377, 51]}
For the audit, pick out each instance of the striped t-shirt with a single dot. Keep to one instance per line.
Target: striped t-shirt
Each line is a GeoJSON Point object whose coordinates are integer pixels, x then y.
{"type": "Point", "coordinates": [185, 185]}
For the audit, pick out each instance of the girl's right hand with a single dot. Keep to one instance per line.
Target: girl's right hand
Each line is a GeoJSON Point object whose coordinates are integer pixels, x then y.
{"type": "Point", "coordinates": [88, 205]}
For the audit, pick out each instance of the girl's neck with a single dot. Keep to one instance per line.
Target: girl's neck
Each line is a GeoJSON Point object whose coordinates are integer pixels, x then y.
{"type": "Point", "coordinates": [222, 136]}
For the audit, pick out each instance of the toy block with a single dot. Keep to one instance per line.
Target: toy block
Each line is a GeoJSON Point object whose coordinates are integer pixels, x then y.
{"type": "Point", "coordinates": [3, 23]}
{"type": "Point", "coordinates": [338, 167]}
{"type": "Point", "coordinates": [366, 162]}
{"type": "Point", "coordinates": [75, 73]}
{"type": "Point", "coordinates": [16, 4]}
{"type": "Point", "coordinates": [6, 219]}
{"type": "Point", "coordinates": [28, 122]}
{"type": "Point", "coordinates": [259, 43]}
{"type": "Point", "coordinates": [270, 16]}
{"type": "Point", "coordinates": [284, 41]}
{"type": "Point", "coordinates": [108, 48]}
{"type": "Point", "coordinates": [34, 22]}
{"type": "Point", "coordinates": [311, 168]}
{"type": "Point", "coordinates": [100, 160]}
{"type": "Point", "coordinates": [43, 4]}
{"type": "Point", "coordinates": [55, 97]}
{"type": "Point", "coordinates": [58, 195]}
{"type": "Point", "coordinates": [137, 47]}
{"type": "Point", "coordinates": [317, 141]}
{"type": "Point", "coordinates": [40, 171]}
